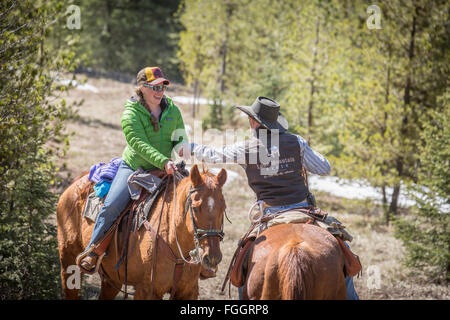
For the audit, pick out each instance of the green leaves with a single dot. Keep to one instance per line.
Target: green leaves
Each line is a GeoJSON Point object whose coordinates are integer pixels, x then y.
{"type": "Point", "coordinates": [29, 121]}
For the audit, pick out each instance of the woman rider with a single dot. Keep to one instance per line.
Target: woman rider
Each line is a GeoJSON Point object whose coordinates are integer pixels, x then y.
{"type": "Point", "coordinates": [153, 126]}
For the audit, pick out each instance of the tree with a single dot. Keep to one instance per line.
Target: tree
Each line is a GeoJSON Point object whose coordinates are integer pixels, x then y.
{"type": "Point", "coordinates": [425, 233]}
{"type": "Point", "coordinates": [31, 122]}
{"type": "Point", "coordinates": [315, 52]}
{"type": "Point", "coordinates": [400, 70]}
{"type": "Point", "coordinates": [128, 35]}
{"type": "Point", "coordinates": [235, 58]}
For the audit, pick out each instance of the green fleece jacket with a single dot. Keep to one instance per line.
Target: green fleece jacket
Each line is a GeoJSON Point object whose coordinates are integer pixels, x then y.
{"type": "Point", "coordinates": [147, 148]}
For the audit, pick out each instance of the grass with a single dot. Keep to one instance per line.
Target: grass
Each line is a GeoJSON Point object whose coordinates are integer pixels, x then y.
{"type": "Point", "coordinates": [98, 138]}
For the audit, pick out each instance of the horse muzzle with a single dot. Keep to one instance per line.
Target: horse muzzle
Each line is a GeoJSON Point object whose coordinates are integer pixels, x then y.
{"type": "Point", "coordinates": [211, 255]}
{"type": "Point", "coordinates": [211, 261]}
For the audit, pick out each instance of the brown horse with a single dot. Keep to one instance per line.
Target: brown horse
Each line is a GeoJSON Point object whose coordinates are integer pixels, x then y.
{"type": "Point", "coordinates": [295, 261]}
{"type": "Point", "coordinates": [202, 191]}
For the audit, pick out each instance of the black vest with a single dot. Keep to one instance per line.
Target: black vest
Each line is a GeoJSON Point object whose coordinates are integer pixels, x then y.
{"type": "Point", "coordinates": [274, 168]}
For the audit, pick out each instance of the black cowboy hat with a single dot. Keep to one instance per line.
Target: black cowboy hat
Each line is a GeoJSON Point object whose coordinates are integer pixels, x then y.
{"type": "Point", "coordinates": [266, 112]}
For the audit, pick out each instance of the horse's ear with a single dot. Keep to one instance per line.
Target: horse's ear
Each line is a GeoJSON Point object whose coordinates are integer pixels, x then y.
{"type": "Point", "coordinates": [195, 176]}
{"type": "Point", "coordinates": [222, 177]}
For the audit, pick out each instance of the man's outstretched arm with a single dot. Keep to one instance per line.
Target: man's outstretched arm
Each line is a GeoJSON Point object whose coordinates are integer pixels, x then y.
{"type": "Point", "coordinates": [313, 161]}
{"type": "Point", "coordinates": [234, 153]}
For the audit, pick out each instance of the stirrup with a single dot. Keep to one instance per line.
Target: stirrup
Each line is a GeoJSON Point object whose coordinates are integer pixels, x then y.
{"type": "Point", "coordinates": [84, 254]}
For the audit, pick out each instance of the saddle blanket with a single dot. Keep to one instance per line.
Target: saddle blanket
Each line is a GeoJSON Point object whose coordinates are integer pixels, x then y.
{"type": "Point", "coordinates": [331, 224]}
{"type": "Point", "coordinates": [92, 207]}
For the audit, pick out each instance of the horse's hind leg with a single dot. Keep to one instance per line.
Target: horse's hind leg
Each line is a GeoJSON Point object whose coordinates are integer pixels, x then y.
{"type": "Point", "coordinates": [187, 292]}
{"type": "Point", "coordinates": [143, 293]}
{"type": "Point", "coordinates": [70, 276]}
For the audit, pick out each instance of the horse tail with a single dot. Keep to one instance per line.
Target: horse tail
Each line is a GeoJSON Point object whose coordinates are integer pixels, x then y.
{"type": "Point", "coordinates": [295, 271]}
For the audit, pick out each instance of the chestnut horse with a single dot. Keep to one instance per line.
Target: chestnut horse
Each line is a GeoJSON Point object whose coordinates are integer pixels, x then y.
{"type": "Point", "coordinates": [202, 191]}
{"type": "Point", "coordinates": [295, 261]}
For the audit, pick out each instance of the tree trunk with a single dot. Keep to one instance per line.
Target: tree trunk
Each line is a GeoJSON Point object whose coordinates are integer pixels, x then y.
{"type": "Point", "coordinates": [313, 84]}
{"type": "Point", "coordinates": [385, 205]}
{"type": "Point", "coordinates": [400, 162]}
{"type": "Point", "coordinates": [107, 27]}
{"type": "Point", "coordinates": [196, 97]}
{"type": "Point", "coordinates": [395, 194]}
{"type": "Point", "coordinates": [383, 131]}
{"type": "Point", "coordinates": [394, 202]}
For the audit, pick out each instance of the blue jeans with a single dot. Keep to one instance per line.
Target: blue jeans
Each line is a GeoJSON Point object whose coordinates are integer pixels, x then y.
{"type": "Point", "coordinates": [271, 210]}
{"type": "Point", "coordinates": [351, 292]}
{"type": "Point", "coordinates": [115, 202]}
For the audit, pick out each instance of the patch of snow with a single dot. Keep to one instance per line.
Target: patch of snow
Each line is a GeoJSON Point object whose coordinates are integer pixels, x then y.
{"type": "Point", "coordinates": [360, 190]}
{"type": "Point", "coordinates": [190, 100]}
{"type": "Point", "coordinates": [77, 85]}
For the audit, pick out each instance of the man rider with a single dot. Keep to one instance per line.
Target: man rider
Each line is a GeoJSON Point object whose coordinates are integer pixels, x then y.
{"type": "Point", "coordinates": [273, 159]}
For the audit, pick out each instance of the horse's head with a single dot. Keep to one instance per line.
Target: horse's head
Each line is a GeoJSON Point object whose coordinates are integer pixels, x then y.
{"type": "Point", "coordinates": [207, 207]}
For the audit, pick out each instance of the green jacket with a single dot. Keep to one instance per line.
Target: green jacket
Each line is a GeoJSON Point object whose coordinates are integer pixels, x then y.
{"type": "Point", "coordinates": [146, 147]}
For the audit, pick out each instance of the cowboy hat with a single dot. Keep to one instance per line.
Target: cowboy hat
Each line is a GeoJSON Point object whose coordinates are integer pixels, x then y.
{"type": "Point", "coordinates": [266, 112]}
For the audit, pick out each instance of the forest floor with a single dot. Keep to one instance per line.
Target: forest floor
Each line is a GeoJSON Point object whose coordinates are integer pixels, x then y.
{"type": "Point", "coordinates": [97, 137]}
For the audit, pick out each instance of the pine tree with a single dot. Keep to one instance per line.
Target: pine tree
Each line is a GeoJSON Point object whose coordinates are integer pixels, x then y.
{"type": "Point", "coordinates": [426, 232]}
{"type": "Point", "coordinates": [124, 36]}
{"type": "Point", "coordinates": [31, 122]}
{"type": "Point", "coordinates": [397, 74]}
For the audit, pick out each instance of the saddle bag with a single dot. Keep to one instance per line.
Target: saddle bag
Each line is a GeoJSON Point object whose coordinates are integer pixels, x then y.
{"type": "Point", "coordinates": [237, 276]}
{"type": "Point", "coordinates": [352, 264]}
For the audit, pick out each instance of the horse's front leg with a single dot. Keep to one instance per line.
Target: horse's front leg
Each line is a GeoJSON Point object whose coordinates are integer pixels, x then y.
{"type": "Point", "coordinates": [143, 293]}
{"type": "Point", "coordinates": [186, 292]}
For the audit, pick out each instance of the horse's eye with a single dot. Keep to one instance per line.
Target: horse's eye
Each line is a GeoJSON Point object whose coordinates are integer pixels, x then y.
{"type": "Point", "coordinates": [196, 197]}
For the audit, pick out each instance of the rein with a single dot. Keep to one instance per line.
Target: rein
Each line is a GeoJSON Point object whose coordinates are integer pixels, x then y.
{"type": "Point", "coordinates": [200, 233]}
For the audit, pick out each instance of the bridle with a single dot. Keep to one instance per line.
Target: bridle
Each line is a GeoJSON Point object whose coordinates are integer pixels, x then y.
{"type": "Point", "coordinates": [199, 234]}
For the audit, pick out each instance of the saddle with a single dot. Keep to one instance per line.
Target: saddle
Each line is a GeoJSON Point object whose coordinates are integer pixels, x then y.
{"type": "Point", "coordinates": [131, 219]}
{"type": "Point", "coordinates": [237, 271]}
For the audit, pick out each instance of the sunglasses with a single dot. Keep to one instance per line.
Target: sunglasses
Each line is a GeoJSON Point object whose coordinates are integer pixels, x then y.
{"type": "Point", "coordinates": [156, 87]}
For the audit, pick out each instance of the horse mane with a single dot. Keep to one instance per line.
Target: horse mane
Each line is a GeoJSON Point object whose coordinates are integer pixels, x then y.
{"type": "Point", "coordinates": [296, 273]}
